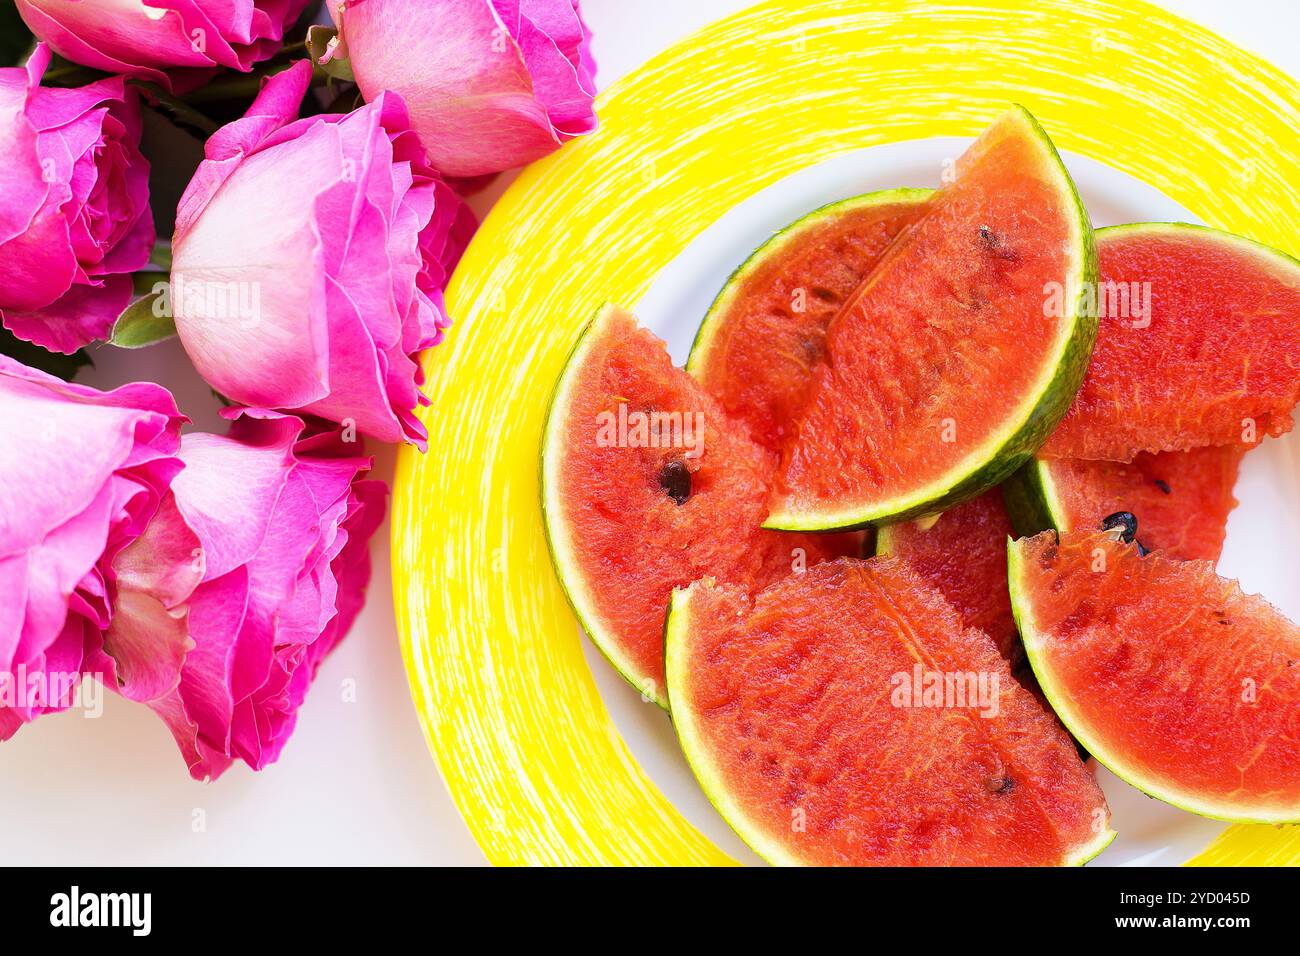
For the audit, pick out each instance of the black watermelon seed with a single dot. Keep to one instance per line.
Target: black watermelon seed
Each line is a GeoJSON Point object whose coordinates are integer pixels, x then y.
{"type": "Point", "coordinates": [1142, 550]}
{"type": "Point", "coordinates": [1003, 784]}
{"type": "Point", "coordinates": [675, 478]}
{"type": "Point", "coordinates": [812, 347]}
{"type": "Point", "coordinates": [995, 244]}
{"type": "Point", "coordinates": [1163, 486]}
{"type": "Point", "coordinates": [1123, 520]}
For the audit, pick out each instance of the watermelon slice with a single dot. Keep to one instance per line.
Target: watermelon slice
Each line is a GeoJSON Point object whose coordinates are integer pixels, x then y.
{"type": "Point", "coordinates": [795, 709]}
{"type": "Point", "coordinates": [766, 329]}
{"type": "Point", "coordinates": [1214, 360]}
{"type": "Point", "coordinates": [633, 510]}
{"type": "Point", "coordinates": [764, 334]}
{"type": "Point", "coordinates": [1172, 677]}
{"type": "Point", "coordinates": [963, 555]}
{"type": "Point", "coordinates": [954, 360]}
{"type": "Point", "coordinates": [1181, 499]}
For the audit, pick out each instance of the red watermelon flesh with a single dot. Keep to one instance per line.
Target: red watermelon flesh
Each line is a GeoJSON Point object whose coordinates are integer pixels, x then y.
{"type": "Point", "coordinates": [963, 555]}
{"type": "Point", "coordinates": [945, 367]}
{"type": "Point", "coordinates": [1181, 499]}
{"type": "Point", "coordinates": [762, 337]}
{"type": "Point", "coordinates": [627, 523]}
{"type": "Point", "coordinates": [1219, 361]}
{"type": "Point", "coordinates": [1174, 678]}
{"type": "Point", "coordinates": [790, 708]}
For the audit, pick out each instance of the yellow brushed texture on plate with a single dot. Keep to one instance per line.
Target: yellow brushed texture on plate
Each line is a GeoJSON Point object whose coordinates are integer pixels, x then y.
{"type": "Point", "coordinates": [510, 710]}
{"type": "Point", "coordinates": [1245, 845]}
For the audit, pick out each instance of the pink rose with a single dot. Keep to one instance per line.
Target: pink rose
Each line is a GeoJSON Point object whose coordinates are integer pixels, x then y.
{"type": "Point", "coordinates": [176, 43]}
{"type": "Point", "coordinates": [490, 84]}
{"type": "Point", "coordinates": [250, 573]}
{"type": "Point", "coordinates": [309, 261]}
{"type": "Point", "coordinates": [82, 473]}
{"type": "Point", "coordinates": [74, 209]}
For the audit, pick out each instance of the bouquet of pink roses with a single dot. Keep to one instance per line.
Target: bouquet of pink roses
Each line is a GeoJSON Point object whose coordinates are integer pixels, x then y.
{"type": "Point", "coordinates": [301, 262]}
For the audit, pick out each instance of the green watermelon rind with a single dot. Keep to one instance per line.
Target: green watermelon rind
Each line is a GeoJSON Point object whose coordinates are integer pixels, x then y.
{"type": "Point", "coordinates": [1089, 851]}
{"type": "Point", "coordinates": [1043, 409]}
{"type": "Point", "coordinates": [884, 542]}
{"type": "Point", "coordinates": [1030, 495]}
{"type": "Point", "coordinates": [558, 542]}
{"type": "Point", "coordinates": [1269, 254]}
{"type": "Point", "coordinates": [714, 319]}
{"type": "Point", "coordinates": [1060, 700]}
{"type": "Point", "coordinates": [677, 628]}
{"type": "Point", "coordinates": [885, 534]}
{"type": "Point", "coordinates": [1032, 502]}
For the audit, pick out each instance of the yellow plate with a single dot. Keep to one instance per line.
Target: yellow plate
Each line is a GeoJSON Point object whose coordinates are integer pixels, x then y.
{"type": "Point", "coordinates": [510, 709]}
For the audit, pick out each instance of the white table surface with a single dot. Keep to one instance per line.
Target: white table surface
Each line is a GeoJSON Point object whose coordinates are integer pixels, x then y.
{"type": "Point", "coordinates": [356, 784]}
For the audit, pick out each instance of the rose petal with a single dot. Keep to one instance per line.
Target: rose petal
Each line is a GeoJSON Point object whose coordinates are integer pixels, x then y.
{"type": "Point", "coordinates": [62, 527]}
{"type": "Point", "coordinates": [175, 43]}
{"type": "Point", "coordinates": [75, 221]}
{"type": "Point", "coordinates": [343, 283]}
{"type": "Point", "coordinates": [491, 84]}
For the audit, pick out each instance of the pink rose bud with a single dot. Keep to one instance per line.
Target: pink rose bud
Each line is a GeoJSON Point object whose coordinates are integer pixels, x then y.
{"type": "Point", "coordinates": [74, 207]}
{"type": "Point", "coordinates": [491, 84]}
{"type": "Point", "coordinates": [251, 572]}
{"type": "Point", "coordinates": [178, 44]}
{"type": "Point", "coordinates": [82, 474]}
{"type": "Point", "coordinates": [309, 261]}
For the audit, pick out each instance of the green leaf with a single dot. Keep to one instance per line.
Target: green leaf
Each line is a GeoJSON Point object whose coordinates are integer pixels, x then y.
{"type": "Point", "coordinates": [319, 39]}
{"type": "Point", "coordinates": [141, 324]}
{"type": "Point", "coordinates": [55, 363]}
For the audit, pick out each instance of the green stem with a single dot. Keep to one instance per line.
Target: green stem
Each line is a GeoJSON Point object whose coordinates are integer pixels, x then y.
{"type": "Point", "coordinates": [142, 283]}
{"type": "Point", "coordinates": [296, 49]}
{"type": "Point", "coordinates": [178, 108]}
{"type": "Point", "coordinates": [70, 75]}
{"type": "Point", "coordinates": [161, 255]}
{"type": "Point", "coordinates": [247, 85]}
